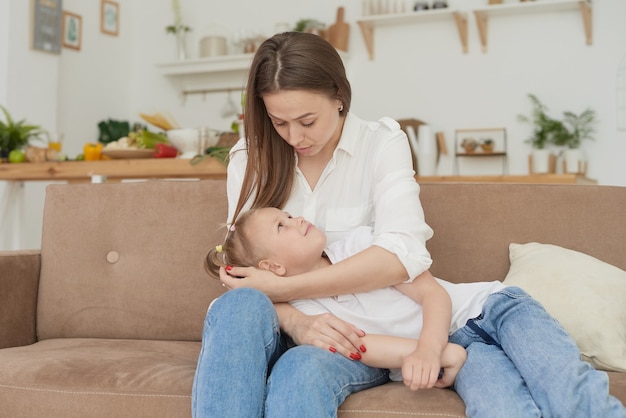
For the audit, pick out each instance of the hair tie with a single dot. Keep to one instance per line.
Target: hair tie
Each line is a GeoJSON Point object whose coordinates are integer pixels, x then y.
{"type": "Point", "coordinates": [232, 228]}
{"type": "Point", "coordinates": [218, 248]}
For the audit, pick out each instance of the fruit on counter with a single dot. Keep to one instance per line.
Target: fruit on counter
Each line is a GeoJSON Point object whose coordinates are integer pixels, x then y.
{"type": "Point", "coordinates": [17, 156]}
{"type": "Point", "coordinates": [92, 152]}
{"type": "Point", "coordinates": [162, 150]}
{"type": "Point", "coordinates": [39, 155]}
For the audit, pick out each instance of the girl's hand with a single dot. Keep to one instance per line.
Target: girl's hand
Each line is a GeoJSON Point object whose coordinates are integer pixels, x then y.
{"type": "Point", "coordinates": [420, 369]}
{"type": "Point", "coordinates": [328, 332]}
{"type": "Point", "coordinates": [265, 281]}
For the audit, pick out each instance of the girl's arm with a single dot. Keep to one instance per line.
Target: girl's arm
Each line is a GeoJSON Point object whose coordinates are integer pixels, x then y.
{"type": "Point", "coordinates": [389, 352]}
{"type": "Point", "coordinates": [437, 312]}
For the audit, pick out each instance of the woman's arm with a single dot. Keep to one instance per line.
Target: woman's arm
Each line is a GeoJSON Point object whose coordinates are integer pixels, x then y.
{"type": "Point", "coordinates": [323, 331]}
{"type": "Point", "coordinates": [373, 268]}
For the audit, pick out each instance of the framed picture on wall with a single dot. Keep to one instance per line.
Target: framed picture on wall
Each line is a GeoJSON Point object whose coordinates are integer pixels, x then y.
{"type": "Point", "coordinates": [109, 17]}
{"type": "Point", "coordinates": [72, 30]}
{"type": "Point", "coordinates": [46, 18]}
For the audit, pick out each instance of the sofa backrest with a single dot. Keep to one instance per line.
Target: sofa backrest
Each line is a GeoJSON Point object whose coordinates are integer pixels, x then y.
{"type": "Point", "coordinates": [125, 260]}
{"type": "Point", "coordinates": [475, 223]}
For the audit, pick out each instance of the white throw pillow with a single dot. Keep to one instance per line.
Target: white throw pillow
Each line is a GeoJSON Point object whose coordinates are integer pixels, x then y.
{"type": "Point", "coordinates": [586, 295]}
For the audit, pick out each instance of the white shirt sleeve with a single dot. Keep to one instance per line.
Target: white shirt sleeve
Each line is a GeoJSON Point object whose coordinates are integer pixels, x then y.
{"type": "Point", "coordinates": [399, 225]}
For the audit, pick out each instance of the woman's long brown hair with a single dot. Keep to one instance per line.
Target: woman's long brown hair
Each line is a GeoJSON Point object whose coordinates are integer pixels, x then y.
{"type": "Point", "coordinates": [286, 61]}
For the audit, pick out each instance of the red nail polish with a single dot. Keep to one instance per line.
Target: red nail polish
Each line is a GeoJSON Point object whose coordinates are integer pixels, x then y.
{"type": "Point", "coordinates": [363, 349]}
{"type": "Point", "coordinates": [355, 356]}
{"type": "Point", "coordinates": [332, 349]}
{"type": "Point", "coordinates": [229, 268]}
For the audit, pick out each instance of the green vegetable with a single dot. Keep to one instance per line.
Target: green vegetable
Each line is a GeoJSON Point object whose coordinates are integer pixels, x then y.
{"type": "Point", "coordinates": [149, 139]}
{"type": "Point", "coordinates": [219, 153]}
{"type": "Point", "coordinates": [112, 130]}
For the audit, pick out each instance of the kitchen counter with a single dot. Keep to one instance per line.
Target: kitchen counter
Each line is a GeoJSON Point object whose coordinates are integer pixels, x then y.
{"type": "Point", "coordinates": [113, 170]}
{"type": "Point", "coordinates": [150, 168]}
{"type": "Point", "coordinates": [529, 179]}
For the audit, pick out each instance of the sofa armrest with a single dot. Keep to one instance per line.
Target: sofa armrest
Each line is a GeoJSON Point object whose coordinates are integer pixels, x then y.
{"type": "Point", "coordinates": [19, 282]}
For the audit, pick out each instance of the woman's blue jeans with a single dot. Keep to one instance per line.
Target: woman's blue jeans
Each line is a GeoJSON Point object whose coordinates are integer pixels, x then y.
{"type": "Point", "coordinates": [245, 369]}
{"type": "Point", "coordinates": [522, 363]}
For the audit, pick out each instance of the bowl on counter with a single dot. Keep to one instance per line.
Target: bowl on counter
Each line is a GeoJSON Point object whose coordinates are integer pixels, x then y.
{"type": "Point", "coordinates": [186, 140]}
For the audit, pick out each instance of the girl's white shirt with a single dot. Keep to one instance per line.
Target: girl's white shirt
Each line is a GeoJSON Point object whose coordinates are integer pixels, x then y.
{"type": "Point", "coordinates": [369, 181]}
{"type": "Point", "coordinates": [388, 311]}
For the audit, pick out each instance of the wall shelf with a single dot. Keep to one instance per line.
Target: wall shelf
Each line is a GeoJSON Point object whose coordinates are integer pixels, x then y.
{"type": "Point", "coordinates": [477, 136]}
{"type": "Point", "coordinates": [482, 14]}
{"type": "Point", "coordinates": [225, 63]}
{"type": "Point", "coordinates": [208, 75]}
{"type": "Point", "coordinates": [212, 74]}
{"type": "Point", "coordinates": [367, 24]}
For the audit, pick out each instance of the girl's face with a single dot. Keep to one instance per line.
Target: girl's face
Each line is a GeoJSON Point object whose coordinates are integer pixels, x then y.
{"type": "Point", "coordinates": [292, 242]}
{"type": "Point", "coordinates": [308, 121]}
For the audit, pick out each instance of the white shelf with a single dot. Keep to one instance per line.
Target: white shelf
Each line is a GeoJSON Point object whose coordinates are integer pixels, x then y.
{"type": "Point", "coordinates": [482, 14]}
{"type": "Point", "coordinates": [224, 63]}
{"type": "Point", "coordinates": [223, 73]}
{"type": "Point", "coordinates": [369, 23]}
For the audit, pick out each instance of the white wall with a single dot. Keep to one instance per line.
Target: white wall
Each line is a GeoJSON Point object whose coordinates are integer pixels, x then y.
{"type": "Point", "coordinates": [419, 71]}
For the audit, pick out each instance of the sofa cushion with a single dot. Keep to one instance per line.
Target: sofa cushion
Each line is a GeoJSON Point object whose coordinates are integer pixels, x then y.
{"type": "Point", "coordinates": [586, 295]}
{"type": "Point", "coordinates": [125, 260]}
{"type": "Point", "coordinates": [98, 378]}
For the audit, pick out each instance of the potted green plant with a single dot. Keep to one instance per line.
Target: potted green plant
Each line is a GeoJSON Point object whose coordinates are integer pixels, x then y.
{"type": "Point", "coordinates": [579, 127]}
{"type": "Point", "coordinates": [179, 29]}
{"type": "Point", "coordinates": [15, 135]}
{"type": "Point", "coordinates": [546, 131]}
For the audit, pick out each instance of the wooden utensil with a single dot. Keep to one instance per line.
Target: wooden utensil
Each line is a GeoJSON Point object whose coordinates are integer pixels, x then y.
{"type": "Point", "coordinates": [339, 31]}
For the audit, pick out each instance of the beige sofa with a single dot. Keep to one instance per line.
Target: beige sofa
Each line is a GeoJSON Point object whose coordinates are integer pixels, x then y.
{"type": "Point", "coordinates": [105, 320]}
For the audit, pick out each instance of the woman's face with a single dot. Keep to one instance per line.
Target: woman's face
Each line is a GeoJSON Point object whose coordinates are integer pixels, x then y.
{"type": "Point", "coordinates": [306, 120]}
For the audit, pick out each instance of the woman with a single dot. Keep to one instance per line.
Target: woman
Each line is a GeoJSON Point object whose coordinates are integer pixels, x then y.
{"type": "Point", "coordinates": [308, 155]}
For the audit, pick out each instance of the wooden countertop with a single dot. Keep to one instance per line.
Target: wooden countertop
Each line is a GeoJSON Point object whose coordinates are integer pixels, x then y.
{"type": "Point", "coordinates": [531, 178]}
{"type": "Point", "coordinates": [114, 170]}
{"type": "Point", "coordinates": [210, 168]}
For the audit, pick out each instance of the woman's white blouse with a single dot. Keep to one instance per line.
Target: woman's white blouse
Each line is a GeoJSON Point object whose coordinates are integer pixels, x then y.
{"type": "Point", "coordinates": [369, 181]}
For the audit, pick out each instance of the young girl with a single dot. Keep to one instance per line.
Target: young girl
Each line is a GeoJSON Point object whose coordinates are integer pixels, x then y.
{"type": "Point", "coordinates": [270, 239]}
{"type": "Point", "coordinates": [507, 333]}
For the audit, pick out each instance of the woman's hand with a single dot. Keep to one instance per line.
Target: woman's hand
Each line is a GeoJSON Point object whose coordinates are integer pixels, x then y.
{"type": "Point", "coordinates": [325, 331]}
{"type": "Point", "coordinates": [272, 285]}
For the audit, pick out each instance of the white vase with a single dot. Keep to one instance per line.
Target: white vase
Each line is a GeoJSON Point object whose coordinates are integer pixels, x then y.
{"type": "Point", "coordinates": [181, 45]}
{"type": "Point", "coordinates": [426, 151]}
{"type": "Point", "coordinates": [574, 161]}
{"type": "Point", "coordinates": [541, 161]}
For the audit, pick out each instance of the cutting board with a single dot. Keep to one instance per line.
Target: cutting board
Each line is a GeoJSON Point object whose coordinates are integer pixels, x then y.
{"type": "Point", "coordinates": [339, 31]}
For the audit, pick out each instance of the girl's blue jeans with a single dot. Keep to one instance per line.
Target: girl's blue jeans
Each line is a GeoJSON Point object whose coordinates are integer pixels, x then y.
{"type": "Point", "coordinates": [246, 369]}
{"type": "Point", "coordinates": [522, 363]}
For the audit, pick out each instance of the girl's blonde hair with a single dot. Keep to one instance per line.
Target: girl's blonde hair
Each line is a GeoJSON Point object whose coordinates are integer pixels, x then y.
{"type": "Point", "coordinates": [238, 248]}
{"type": "Point", "coordinates": [286, 61]}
